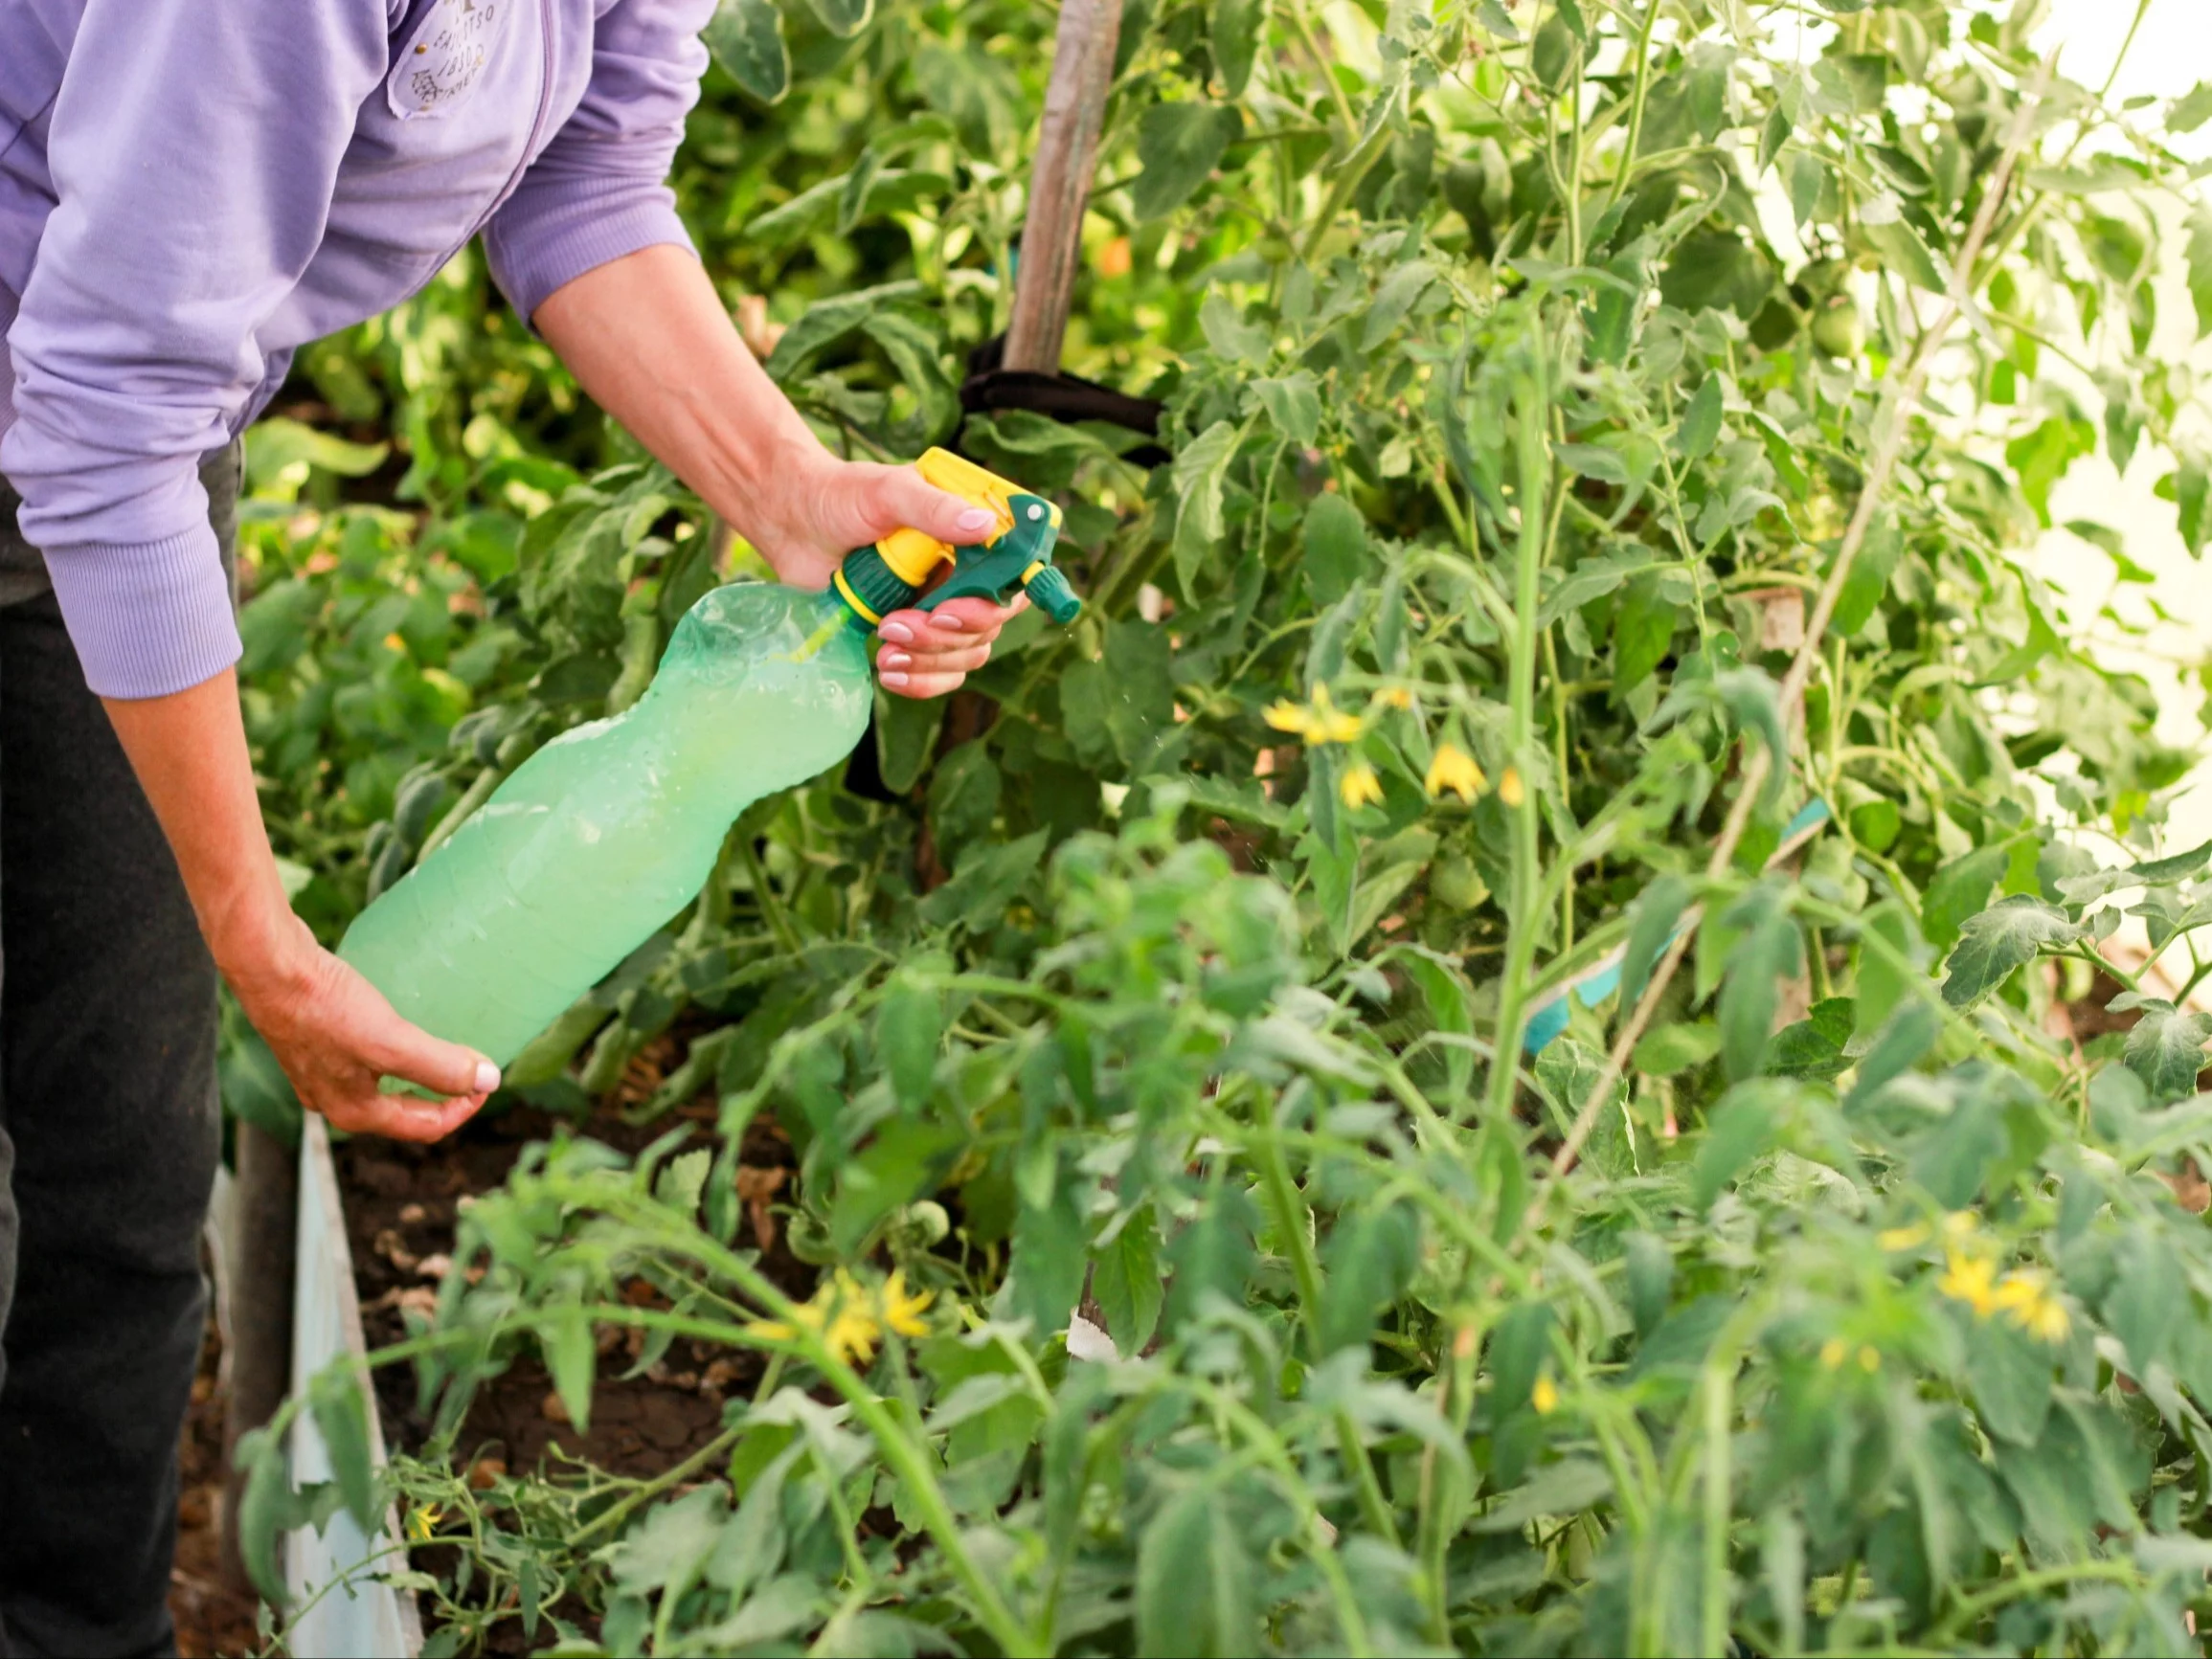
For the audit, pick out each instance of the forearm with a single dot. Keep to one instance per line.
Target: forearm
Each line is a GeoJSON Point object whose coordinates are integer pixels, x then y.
{"type": "Point", "coordinates": [645, 335]}
{"type": "Point", "coordinates": [188, 749]}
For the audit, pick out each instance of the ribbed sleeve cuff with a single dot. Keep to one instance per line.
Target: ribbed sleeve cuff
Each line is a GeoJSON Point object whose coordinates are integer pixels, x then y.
{"type": "Point", "coordinates": [147, 619]}
{"type": "Point", "coordinates": [533, 260]}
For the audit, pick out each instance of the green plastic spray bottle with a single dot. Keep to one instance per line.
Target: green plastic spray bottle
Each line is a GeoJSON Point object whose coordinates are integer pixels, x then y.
{"type": "Point", "coordinates": [610, 829]}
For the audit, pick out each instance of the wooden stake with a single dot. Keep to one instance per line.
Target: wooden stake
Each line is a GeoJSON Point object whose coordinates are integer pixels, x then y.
{"type": "Point", "coordinates": [1060, 182]}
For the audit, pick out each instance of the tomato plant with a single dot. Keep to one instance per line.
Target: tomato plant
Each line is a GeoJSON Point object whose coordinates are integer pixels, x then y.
{"type": "Point", "coordinates": [1475, 1061]}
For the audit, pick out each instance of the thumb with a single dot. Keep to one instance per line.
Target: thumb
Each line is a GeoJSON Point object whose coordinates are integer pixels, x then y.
{"type": "Point", "coordinates": [411, 1054]}
{"type": "Point", "coordinates": [902, 497]}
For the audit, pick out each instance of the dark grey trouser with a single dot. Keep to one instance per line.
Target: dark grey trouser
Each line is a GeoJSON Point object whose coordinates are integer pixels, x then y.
{"type": "Point", "coordinates": [109, 1139]}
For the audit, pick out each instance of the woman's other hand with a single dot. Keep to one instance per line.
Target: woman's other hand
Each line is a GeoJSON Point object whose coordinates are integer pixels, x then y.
{"type": "Point", "coordinates": [332, 1031]}
{"type": "Point", "coordinates": [337, 1038]}
{"type": "Point", "coordinates": [929, 653]}
{"type": "Point", "coordinates": [820, 508]}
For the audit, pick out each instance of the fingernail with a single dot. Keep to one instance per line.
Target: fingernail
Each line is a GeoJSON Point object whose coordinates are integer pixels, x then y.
{"type": "Point", "coordinates": [975, 521]}
{"type": "Point", "coordinates": [486, 1077]}
{"type": "Point", "coordinates": [897, 632]}
{"type": "Point", "coordinates": [946, 621]}
{"type": "Point", "coordinates": [894, 679]}
{"type": "Point", "coordinates": [894, 659]}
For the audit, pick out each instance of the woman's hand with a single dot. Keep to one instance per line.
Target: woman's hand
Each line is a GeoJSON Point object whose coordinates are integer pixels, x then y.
{"type": "Point", "coordinates": [648, 337]}
{"type": "Point", "coordinates": [332, 1031]}
{"type": "Point", "coordinates": [336, 1037]}
{"type": "Point", "coordinates": [820, 508]}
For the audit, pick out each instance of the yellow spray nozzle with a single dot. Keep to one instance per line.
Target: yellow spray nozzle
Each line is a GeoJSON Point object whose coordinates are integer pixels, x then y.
{"type": "Point", "coordinates": [912, 554]}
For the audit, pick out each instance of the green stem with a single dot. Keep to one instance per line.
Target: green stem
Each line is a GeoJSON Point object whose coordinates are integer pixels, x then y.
{"type": "Point", "coordinates": [1534, 455]}
{"type": "Point", "coordinates": [1620, 175]}
{"type": "Point", "coordinates": [1719, 1405]}
{"type": "Point", "coordinates": [1291, 1222]}
{"type": "Point", "coordinates": [1303, 27]}
{"type": "Point", "coordinates": [764, 894]}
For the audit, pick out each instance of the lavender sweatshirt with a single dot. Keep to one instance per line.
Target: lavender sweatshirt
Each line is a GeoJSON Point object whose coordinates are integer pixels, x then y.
{"type": "Point", "coordinates": [190, 188]}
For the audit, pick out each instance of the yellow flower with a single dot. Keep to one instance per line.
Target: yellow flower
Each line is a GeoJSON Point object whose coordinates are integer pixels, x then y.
{"type": "Point", "coordinates": [1903, 1238]}
{"type": "Point", "coordinates": [1545, 1396]}
{"type": "Point", "coordinates": [1360, 786]}
{"type": "Point", "coordinates": [1834, 1351]}
{"type": "Point", "coordinates": [1454, 768]}
{"type": "Point", "coordinates": [2026, 1297]}
{"type": "Point", "coordinates": [1960, 1224]}
{"type": "Point", "coordinates": [902, 1312]}
{"type": "Point", "coordinates": [423, 1522]}
{"type": "Point", "coordinates": [1320, 721]}
{"type": "Point", "coordinates": [1394, 697]}
{"type": "Point", "coordinates": [1510, 789]}
{"type": "Point", "coordinates": [1869, 1359]}
{"type": "Point", "coordinates": [1972, 1280]}
{"type": "Point", "coordinates": [840, 1312]}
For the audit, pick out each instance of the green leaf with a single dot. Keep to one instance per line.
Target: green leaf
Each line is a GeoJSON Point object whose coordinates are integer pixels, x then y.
{"type": "Point", "coordinates": [2010, 1374]}
{"type": "Point", "coordinates": [1212, 1255]}
{"type": "Point", "coordinates": [1336, 548]}
{"type": "Point", "coordinates": [2166, 1049]}
{"type": "Point", "coordinates": [1747, 1121]}
{"type": "Point", "coordinates": [1669, 1051]}
{"type": "Point", "coordinates": [264, 1508]}
{"type": "Point", "coordinates": [1643, 632]}
{"type": "Point", "coordinates": [1047, 1260]}
{"type": "Point", "coordinates": [1902, 249]}
{"type": "Point", "coordinates": [1959, 889]}
{"type": "Point", "coordinates": [914, 352]}
{"type": "Point", "coordinates": [1179, 146]}
{"type": "Point", "coordinates": [1592, 578]}
{"type": "Point", "coordinates": [1883, 974]}
{"type": "Point", "coordinates": [2191, 110]}
{"type": "Point", "coordinates": [1651, 1280]}
{"type": "Point", "coordinates": [1370, 1257]}
{"type": "Point", "coordinates": [1701, 424]}
{"type": "Point", "coordinates": [1293, 405]}
{"type": "Point", "coordinates": [564, 1335]}
{"type": "Point", "coordinates": [844, 18]}
{"type": "Point", "coordinates": [2197, 253]}
{"type": "Point", "coordinates": [746, 38]}
{"type": "Point", "coordinates": [2147, 1294]}
{"type": "Point", "coordinates": [2002, 940]}
{"type": "Point", "coordinates": [1230, 335]}
{"type": "Point", "coordinates": [1393, 299]}
{"type": "Point", "coordinates": [909, 1031]}
{"type": "Point", "coordinates": [1129, 1283]}
{"type": "Point", "coordinates": [989, 877]}
{"type": "Point", "coordinates": [1198, 474]}
{"type": "Point", "coordinates": [1195, 1597]}
{"type": "Point", "coordinates": [1910, 1033]}
{"type": "Point", "coordinates": [2091, 885]}
{"type": "Point", "coordinates": [1239, 28]}
{"type": "Point", "coordinates": [1868, 577]}
{"type": "Point", "coordinates": [281, 453]}
{"type": "Point", "coordinates": [1768, 953]}
{"type": "Point", "coordinates": [827, 321]}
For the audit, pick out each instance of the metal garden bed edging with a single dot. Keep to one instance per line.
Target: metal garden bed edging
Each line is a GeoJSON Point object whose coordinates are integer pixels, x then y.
{"type": "Point", "coordinates": [365, 1616]}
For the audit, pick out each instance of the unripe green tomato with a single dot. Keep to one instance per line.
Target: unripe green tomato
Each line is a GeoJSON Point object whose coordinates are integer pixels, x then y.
{"type": "Point", "coordinates": [920, 1226]}
{"type": "Point", "coordinates": [1455, 880]}
{"type": "Point", "coordinates": [1838, 328]}
{"type": "Point", "coordinates": [809, 1241]}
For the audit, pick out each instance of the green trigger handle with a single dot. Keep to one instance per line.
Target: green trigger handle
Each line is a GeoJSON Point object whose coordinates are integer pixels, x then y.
{"type": "Point", "coordinates": [873, 581]}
